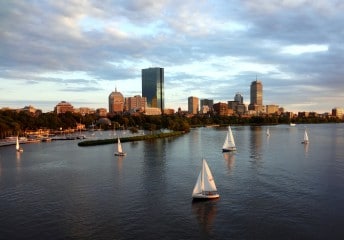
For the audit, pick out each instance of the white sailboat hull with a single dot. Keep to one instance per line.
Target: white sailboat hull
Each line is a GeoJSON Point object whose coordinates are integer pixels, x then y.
{"type": "Point", "coordinates": [230, 149]}
{"type": "Point", "coordinates": [120, 154]}
{"type": "Point", "coordinates": [208, 195]}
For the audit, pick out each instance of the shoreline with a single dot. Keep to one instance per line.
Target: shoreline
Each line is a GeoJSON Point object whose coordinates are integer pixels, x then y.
{"type": "Point", "coordinates": [88, 143]}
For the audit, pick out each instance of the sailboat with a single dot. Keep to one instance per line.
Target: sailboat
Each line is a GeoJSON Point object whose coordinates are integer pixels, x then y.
{"type": "Point", "coordinates": [205, 187]}
{"type": "Point", "coordinates": [305, 138]}
{"type": "Point", "coordinates": [268, 132]}
{"type": "Point", "coordinates": [119, 149]}
{"type": "Point", "coordinates": [18, 148]}
{"type": "Point", "coordinates": [229, 144]}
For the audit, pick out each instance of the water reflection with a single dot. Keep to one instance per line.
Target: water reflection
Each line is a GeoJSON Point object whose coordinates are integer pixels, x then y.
{"type": "Point", "coordinates": [120, 163]}
{"type": "Point", "coordinates": [229, 159]}
{"type": "Point", "coordinates": [18, 161]}
{"type": "Point", "coordinates": [305, 147]}
{"type": "Point", "coordinates": [256, 142]}
{"type": "Point", "coordinates": [205, 212]}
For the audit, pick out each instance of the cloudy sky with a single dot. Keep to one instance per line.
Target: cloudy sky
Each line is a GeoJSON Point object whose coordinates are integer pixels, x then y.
{"type": "Point", "coordinates": [81, 50]}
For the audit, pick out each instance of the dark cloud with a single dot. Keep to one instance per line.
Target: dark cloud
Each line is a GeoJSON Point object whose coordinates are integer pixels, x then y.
{"type": "Point", "coordinates": [53, 42]}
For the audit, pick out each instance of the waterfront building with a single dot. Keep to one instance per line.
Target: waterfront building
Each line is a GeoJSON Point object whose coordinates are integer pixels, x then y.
{"type": "Point", "coordinates": [63, 107]}
{"type": "Point", "coordinates": [337, 112]}
{"type": "Point", "coordinates": [256, 103]}
{"type": "Point", "coordinates": [169, 111]}
{"type": "Point", "coordinates": [221, 109]}
{"type": "Point", "coordinates": [84, 110]}
{"type": "Point", "coordinates": [116, 102]}
{"type": "Point", "coordinates": [153, 87]}
{"type": "Point", "coordinates": [193, 105]}
{"type": "Point", "coordinates": [152, 111]}
{"type": "Point", "coordinates": [101, 112]}
{"type": "Point", "coordinates": [136, 103]}
{"type": "Point", "coordinates": [207, 102]}
{"type": "Point", "coordinates": [205, 109]}
{"type": "Point", "coordinates": [271, 109]}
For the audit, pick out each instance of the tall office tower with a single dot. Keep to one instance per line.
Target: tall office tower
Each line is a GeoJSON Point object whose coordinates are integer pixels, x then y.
{"type": "Point", "coordinates": [116, 102]}
{"type": "Point", "coordinates": [153, 87]}
{"type": "Point", "coordinates": [207, 102]}
{"type": "Point", "coordinates": [193, 105]}
{"type": "Point", "coordinates": [256, 103]}
{"type": "Point", "coordinates": [239, 98]}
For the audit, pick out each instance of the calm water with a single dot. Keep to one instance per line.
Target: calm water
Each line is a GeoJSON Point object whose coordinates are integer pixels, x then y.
{"type": "Point", "coordinates": [271, 188]}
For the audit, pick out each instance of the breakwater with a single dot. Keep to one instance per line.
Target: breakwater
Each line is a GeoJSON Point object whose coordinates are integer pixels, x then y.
{"type": "Point", "coordinates": [87, 143]}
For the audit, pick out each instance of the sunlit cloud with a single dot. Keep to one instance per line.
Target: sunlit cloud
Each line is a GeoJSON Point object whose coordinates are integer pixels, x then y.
{"type": "Point", "coordinates": [301, 49]}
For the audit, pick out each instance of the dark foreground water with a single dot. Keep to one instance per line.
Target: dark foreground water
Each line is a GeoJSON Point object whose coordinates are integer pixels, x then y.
{"type": "Point", "coordinates": [271, 188]}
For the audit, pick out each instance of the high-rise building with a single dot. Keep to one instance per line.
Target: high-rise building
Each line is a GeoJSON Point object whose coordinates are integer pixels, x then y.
{"type": "Point", "coordinates": [136, 103]}
{"type": "Point", "coordinates": [153, 87]}
{"type": "Point", "coordinates": [116, 102]}
{"type": "Point", "coordinates": [193, 105]}
{"type": "Point", "coordinates": [256, 103]}
{"type": "Point", "coordinates": [207, 102]}
{"type": "Point", "coordinates": [239, 98]}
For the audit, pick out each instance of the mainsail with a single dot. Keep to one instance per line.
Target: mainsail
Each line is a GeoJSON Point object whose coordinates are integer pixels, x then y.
{"type": "Point", "coordinates": [229, 143]}
{"type": "Point", "coordinates": [205, 181]}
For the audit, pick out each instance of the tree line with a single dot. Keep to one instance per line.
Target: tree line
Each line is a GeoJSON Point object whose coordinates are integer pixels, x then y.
{"type": "Point", "coordinates": [16, 123]}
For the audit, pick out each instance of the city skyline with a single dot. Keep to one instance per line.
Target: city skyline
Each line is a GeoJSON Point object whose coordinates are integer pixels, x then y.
{"type": "Point", "coordinates": [81, 51]}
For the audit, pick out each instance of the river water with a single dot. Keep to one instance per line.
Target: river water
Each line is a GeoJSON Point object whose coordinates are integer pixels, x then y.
{"type": "Point", "coordinates": [271, 188]}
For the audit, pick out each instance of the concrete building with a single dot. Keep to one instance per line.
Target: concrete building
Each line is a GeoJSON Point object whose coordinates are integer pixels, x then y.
{"type": "Point", "coordinates": [116, 102]}
{"type": "Point", "coordinates": [338, 112]}
{"type": "Point", "coordinates": [256, 91]}
{"type": "Point", "coordinates": [272, 109]}
{"type": "Point", "coordinates": [193, 105]}
{"type": "Point", "coordinates": [101, 112]}
{"type": "Point", "coordinates": [221, 109]}
{"type": "Point", "coordinates": [136, 103]}
{"type": "Point", "coordinates": [63, 107]}
{"type": "Point", "coordinates": [206, 104]}
{"type": "Point", "coordinates": [239, 98]}
{"type": "Point", "coordinates": [153, 87]}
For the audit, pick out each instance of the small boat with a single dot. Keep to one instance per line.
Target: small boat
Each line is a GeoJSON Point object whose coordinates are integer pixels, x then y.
{"type": "Point", "coordinates": [119, 149]}
{"type": "Point", "coordinates": [268, 132]}
{"type": "Point", "coordinates": [292, 124]}
{"type": "Point", "coordinates": [205, 187]}
{"type": "Point", "coordinates": [229, 144]}
{"type": "Point", "coordinates": [18, 148]}
{"type": "Point", "coordinates": [305, 138]}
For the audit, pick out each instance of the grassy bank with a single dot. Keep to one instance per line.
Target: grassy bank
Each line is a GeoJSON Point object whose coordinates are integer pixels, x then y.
{"type": "Point", "coordinates": [129, 139]}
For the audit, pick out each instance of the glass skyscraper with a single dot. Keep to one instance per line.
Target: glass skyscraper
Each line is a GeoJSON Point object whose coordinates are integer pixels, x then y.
{"type": "Point", "coordinates": [153, 87]}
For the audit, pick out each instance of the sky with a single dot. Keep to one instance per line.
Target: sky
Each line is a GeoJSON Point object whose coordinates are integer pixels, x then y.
{"type": "Point", "coordinates": [80, 51]}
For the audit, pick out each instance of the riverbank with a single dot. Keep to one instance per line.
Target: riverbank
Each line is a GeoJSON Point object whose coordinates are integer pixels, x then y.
{"type": "Point", "coordinates": [87, 143]}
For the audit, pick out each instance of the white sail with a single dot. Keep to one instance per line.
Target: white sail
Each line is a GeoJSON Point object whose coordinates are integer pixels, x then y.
{"type": "Point", "coordinates": [208, 180]}
{"type": "Point", "coordinates": [119, 146]}
{"type": "Point", "coordinates": [17, 144]}
{"type": "Point", "coordinates": [229, 144]}
{"type": "Point", "coordinates": [205, 185]}
{"type": "Point", "coordinates": [305, 137]}
{"type": "Point", "coordinates": [268, 132]}
{"type": "Point", "coordinates": [198, 185]}
{"type": "Point", "coordinates": [18, 148]}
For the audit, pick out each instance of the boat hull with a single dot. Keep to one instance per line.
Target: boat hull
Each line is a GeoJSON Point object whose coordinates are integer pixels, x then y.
{"type": "Point", "coordinates": [203, 196]}
{"type": "Point", "coordinates": [120, 154]}
{"type": "Point", "coordinates": [228, 150]}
